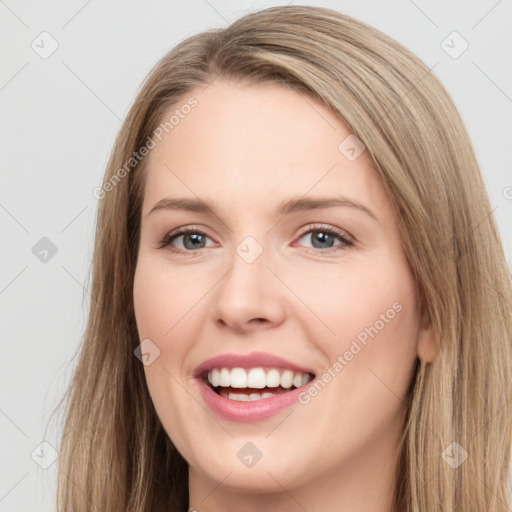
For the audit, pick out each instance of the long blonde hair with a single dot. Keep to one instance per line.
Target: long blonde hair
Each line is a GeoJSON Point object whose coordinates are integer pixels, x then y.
{"type": "Point", "coordinates": [114, 453]}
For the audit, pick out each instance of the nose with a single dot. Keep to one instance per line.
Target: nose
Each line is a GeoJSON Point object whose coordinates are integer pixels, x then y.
{"type": "Point", "coordinates": [249, 296]}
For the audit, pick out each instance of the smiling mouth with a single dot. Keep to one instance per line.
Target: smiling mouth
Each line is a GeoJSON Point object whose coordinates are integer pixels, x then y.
{"type": "Point", "coordinates": [245, 385]}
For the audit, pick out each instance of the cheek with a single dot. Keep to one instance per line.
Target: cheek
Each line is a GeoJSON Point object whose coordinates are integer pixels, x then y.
{"type": "Point", "coordinates": [160, 312]}
{"type": "Point", "coordinates": [162, 297]}
{"type": "Point", "coordinates": [368, 317]}
{"type": "Point", "coordinates": [369, 360]}
{"type": "Point", "coordinates": [161, 302]}
{"type": "Point", "coordinates": [168, 306]}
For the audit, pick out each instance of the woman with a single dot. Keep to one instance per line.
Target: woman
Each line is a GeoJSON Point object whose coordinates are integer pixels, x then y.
{"type": "Point", "coordinates": [228, 366]}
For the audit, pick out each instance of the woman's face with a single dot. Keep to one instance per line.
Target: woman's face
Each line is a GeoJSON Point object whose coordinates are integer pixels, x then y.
{"type": "Point", "coordinates": [269, 272]}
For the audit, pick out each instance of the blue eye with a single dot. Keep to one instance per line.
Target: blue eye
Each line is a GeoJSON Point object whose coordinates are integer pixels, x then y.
{"type": "Point", "coordinates": [194, 240]}
{"type": "Point", "coordinates": [324, 237]}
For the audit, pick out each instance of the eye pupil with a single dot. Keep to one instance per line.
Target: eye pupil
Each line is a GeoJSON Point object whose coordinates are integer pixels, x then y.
{"type": "Point", "coordinates": [195, 237]}
{"type": "Point", "coordinates": [323, 238]}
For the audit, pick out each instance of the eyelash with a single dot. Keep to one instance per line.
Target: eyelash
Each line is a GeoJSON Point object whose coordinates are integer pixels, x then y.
{"type": "Point", "coordinates": [170, 237]}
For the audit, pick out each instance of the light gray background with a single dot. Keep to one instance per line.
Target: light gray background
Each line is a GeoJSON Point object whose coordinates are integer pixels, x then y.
{"type": "Point", "coordinates": [59, 119]}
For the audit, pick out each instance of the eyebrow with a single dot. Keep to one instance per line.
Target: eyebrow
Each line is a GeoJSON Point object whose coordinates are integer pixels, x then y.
{"type": "Point", "coordinates": [285, 207]}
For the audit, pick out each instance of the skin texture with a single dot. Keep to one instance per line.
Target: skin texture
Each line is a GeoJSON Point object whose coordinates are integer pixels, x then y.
{"type": "Point", "coordinates": [246, 149]}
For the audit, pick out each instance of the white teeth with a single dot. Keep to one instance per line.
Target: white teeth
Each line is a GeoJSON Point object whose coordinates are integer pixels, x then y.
{"type": "Point", "coordinates": [256, 378]}
{"type": "Point", "coordinates": [215, 377]}
{"type": "Point", "coordinates": [239, 397]}
{"type": "Point", "coordinates": [273, 378]}
{"type": "Point", "coordinates": [238, 378]}
{"type": "Point", "coordinates": [287, 379]}
{"type": "Point", "coordinates": [297, 380]}
{"type": "Point", "coordinates": [225, 378]}
{"type": "Point", "coordinates": [243, 397]}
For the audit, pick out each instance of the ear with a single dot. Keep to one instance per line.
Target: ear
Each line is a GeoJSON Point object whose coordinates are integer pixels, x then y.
{"type": "Point", "coordinates": [427, 350]}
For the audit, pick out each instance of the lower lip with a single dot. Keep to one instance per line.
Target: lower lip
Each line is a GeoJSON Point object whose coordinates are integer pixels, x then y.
{"type": "Point", "coordinates": [250, 411]}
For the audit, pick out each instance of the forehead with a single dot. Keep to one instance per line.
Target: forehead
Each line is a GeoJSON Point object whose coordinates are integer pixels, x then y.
{"type": "Point", "coordinates": [256, 145]}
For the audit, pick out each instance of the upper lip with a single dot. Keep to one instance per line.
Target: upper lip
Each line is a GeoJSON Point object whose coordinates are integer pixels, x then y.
{"type": "Point", "coordinates": [252, 360]}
